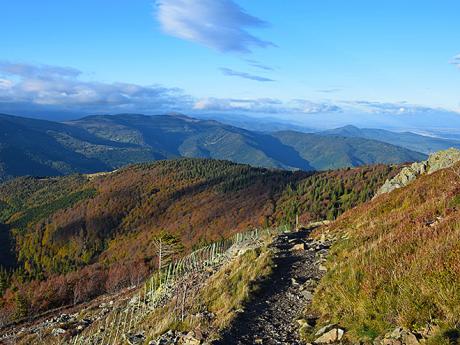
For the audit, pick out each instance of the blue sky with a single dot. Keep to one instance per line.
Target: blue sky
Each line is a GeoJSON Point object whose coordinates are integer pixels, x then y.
{"type": "Point", "coordinates": [262, 57]}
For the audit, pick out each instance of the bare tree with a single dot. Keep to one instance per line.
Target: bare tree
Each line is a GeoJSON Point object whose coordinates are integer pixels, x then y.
{"type": "Point", "coordinates": [166, 247]}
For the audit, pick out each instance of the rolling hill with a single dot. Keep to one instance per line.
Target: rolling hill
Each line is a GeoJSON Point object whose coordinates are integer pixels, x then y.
{"type": "Point", "coordinates": [104, 143]}
{"type": "Point", "coordinates": [408, 140]}
{"type": "Point", "coordinates": [182, 136]}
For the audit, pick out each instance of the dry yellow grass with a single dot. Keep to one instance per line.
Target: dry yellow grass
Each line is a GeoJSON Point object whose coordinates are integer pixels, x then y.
{"type": "Point", "coordinates": [230, 287]}
{"type": "Point", "coordinates": [222, 294]}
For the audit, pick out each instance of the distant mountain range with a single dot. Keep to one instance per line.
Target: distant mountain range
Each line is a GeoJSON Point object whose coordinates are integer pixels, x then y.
{"type": "Point", "coordinates": [258, 124]}
{"type": "Point", "coordinates": [408, 140]}
{"type": "Point", "coordinates": [105, 142]}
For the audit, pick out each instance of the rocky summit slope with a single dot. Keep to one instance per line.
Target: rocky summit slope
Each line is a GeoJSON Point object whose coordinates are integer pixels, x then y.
{"type": "Point", "coordinates": [393, 275]}
{"type": "Point", "coordinates": [436, 161]}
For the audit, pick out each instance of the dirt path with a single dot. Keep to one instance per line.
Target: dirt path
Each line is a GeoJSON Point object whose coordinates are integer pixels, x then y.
{"type": "Point", "coordinates": [270, 317]}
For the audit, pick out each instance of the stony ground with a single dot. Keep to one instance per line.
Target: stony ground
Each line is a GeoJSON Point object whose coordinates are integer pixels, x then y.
{"type": "Point", "coordinates": [272, 313]}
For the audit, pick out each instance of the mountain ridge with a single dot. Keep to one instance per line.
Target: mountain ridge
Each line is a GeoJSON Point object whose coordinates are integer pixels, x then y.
{"type": "Point", "coordinates": [105, 142]}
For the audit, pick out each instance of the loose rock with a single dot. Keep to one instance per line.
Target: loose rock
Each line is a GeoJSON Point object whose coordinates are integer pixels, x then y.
{"type": "Point", "coordinates": [332, 336]}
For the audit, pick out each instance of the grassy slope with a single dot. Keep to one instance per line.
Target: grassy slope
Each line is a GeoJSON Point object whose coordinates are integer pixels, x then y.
{"type": "Point", "coordinates": [394, 268]}
{"type": "Point", "coordinates": [223, 294]}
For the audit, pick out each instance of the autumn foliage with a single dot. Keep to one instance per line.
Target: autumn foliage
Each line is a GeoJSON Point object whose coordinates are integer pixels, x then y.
{"type": "Point", "coordinates": [70, 239]}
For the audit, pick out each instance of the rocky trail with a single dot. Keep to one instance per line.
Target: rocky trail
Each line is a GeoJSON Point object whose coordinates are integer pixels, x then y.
{"type": "Point", "coordinates": [272, 315]}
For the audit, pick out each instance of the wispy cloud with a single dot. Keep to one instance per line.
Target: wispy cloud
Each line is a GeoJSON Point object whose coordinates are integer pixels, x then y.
{"type": "Point", "coordinates": [332, 90]}
{"type": "Point", "coordinates": [38, 71]}
{"type": "Point", "coordinates": [218, 24]}
{"type": "Point", "coordinates": [265, 105]}
{"type": "Point", "coordinates": [61, 87]}
{"type": "Point", "coordinates": [232, 73]}
{"type": "Point", "coordinates": [456, 60]}
{"type": "Point", "coordinates": [257, 64]}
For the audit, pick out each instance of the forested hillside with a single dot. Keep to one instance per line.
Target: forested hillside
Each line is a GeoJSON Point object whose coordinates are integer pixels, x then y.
{"type": "Point", "coordinates": [329, 194]}
{"type": "Point", "coordinates": [73, 238]}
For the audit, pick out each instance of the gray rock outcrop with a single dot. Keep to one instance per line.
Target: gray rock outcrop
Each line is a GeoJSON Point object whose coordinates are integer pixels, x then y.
{"type": "Point", "coordinates": [436, 161]}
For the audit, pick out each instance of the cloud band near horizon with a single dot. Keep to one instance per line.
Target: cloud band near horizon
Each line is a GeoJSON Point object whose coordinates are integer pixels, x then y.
{"type": "Point", "coordinates": [55, 87]}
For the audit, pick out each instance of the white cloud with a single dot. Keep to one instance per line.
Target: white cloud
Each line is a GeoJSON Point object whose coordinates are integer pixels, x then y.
{"type": "Point", "coordinates": [38, 71]}
{"type": "Point", "coordinates": [265, 105]}
{"type": "Point", "coordinates": [33, 87]}
{"type": "Point", "coordinates": [307, 107]}
{"type": "Point", "coordinates": [218, 24]}
{"type": "Point", "coordinates": [5, 84]}
{"type": "Point", "coordinates": [57, 86]}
